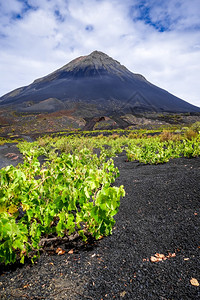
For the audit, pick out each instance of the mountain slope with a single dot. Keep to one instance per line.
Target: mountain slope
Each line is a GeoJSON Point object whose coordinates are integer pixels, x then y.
{"type": "Point", "coordinates": [99, 81]}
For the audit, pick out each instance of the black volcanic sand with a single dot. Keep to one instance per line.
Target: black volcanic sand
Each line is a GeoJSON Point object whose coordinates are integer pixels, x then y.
{"type": "Point", "coordinates": [160, 213]}
{"type": "Point", "coordinates": [10, 154]}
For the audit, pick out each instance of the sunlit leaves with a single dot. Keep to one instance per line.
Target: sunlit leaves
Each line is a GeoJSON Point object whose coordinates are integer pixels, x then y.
{"type": "Point", "coordinates": [153, 151]}
{"type": "Point", "coordinates": [64, 195]}
{"type": "Point", "coordinates": [71, 191]}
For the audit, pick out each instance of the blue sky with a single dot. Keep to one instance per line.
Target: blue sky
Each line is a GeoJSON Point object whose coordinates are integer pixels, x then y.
{"type": "Point", "coordinates": [159, 39]}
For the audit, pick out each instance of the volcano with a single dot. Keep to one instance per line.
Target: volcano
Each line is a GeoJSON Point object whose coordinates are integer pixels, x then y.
{"type": "Point", "coordinates": [95, 83]}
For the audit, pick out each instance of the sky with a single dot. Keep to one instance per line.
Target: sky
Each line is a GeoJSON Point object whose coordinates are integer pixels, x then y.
{"type": "Point", "coordinates": [159, 39]}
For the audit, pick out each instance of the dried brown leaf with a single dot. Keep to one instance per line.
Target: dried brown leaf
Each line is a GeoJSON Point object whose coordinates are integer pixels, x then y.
{"type": "Point", "coordinates": [25, 286]}
{"type": "Point", "coordinates": [194, 282]}
{"type": "Point", "coordinates": [60, 251]}
{"type": "Point", "coordinates": [158, 255]}
{"type": "Point", "coordinates": [153, 259]}
{"type": "Point", "coordinates": [122, 294]}
{"type": "Point", "coordinates": [15, 157]}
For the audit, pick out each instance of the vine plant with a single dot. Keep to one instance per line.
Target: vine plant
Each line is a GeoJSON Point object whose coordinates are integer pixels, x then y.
{"type": "Point", "coordinates": [70, 194]}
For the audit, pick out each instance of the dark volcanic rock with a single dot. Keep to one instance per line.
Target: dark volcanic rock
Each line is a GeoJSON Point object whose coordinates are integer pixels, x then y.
{"type": "Point", "coordinates": [96, 80]}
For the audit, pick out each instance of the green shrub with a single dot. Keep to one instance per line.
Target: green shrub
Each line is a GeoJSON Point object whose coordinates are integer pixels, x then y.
{"type": "Point", "coordinates": [196, 127]}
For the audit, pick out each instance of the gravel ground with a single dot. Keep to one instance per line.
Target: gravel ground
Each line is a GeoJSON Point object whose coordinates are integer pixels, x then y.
{"type": "Point", "coordinates": [159, 214]}
{"type": "Point", "coordinates": [9, 154]}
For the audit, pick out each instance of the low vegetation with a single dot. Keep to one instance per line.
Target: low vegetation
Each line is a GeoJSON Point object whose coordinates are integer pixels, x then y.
{"type": "Point", "coordinates": [65, 187]}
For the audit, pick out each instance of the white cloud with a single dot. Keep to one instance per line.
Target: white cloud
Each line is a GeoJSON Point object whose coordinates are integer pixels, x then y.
{"type": "Point", "coordinates": [10, 7]}
{"type": "Point", "coordinates": [37, 37]}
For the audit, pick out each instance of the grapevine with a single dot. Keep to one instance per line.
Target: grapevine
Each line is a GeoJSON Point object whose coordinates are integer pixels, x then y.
{"type": "Point", "coordinates": [65, 188]}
